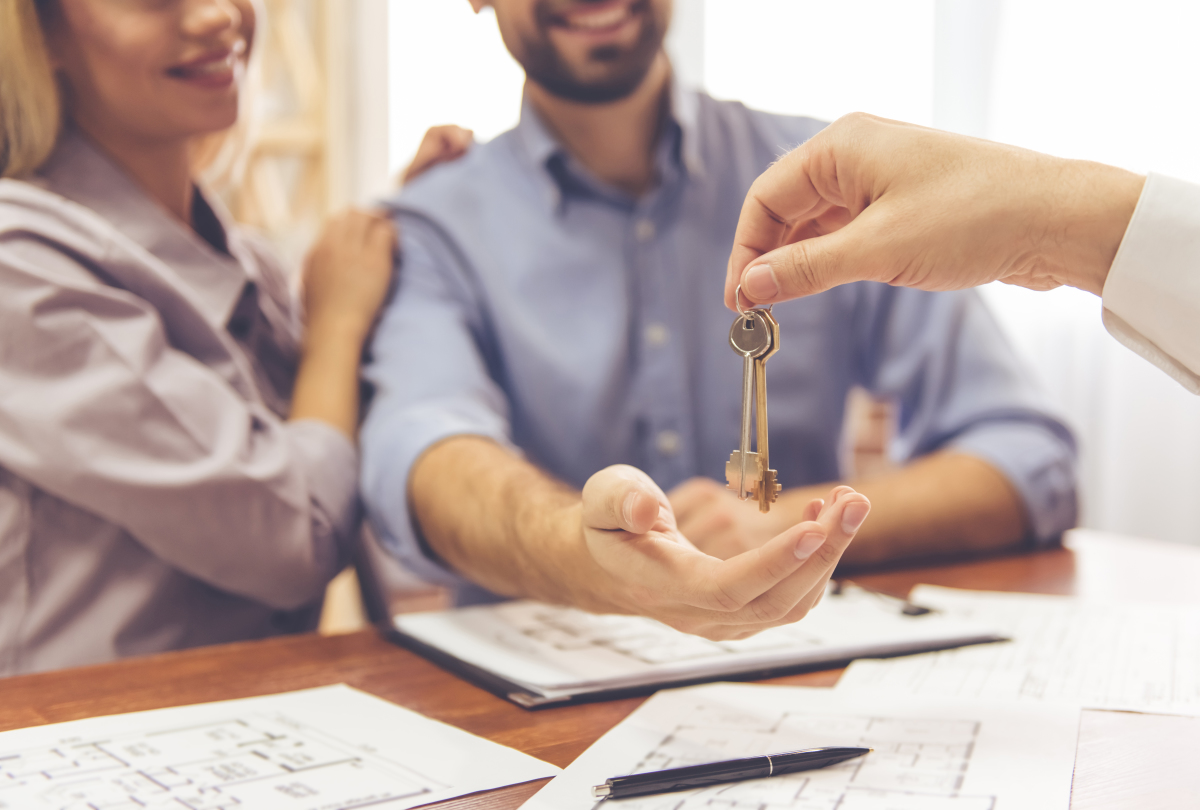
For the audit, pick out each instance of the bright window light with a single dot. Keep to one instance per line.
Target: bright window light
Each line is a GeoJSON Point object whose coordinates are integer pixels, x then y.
{"type": "Point", "coordinates": [1106, 80]}
{"type": "Point", "coordinates": [447, 65]}
{"type": "Point", "coordinates": [822, 59]}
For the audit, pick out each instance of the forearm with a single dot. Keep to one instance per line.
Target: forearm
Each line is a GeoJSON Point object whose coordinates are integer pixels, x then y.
{"type": "Point", "coordinates": [942, 504]}
{"type": "Point", "coordinates": [501, 522]}
{"type": "Point", "coordinates": [327, 382]}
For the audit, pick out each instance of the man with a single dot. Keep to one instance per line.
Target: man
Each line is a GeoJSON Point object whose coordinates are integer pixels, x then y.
{"type": "Point", "coordinates": [1000, 213]}
{"type": "Point", "coordinates": [561, 312]}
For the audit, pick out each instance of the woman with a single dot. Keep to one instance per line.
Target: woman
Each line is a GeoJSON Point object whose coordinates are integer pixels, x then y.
{"type": "Point", "coordinates": [177, 466]}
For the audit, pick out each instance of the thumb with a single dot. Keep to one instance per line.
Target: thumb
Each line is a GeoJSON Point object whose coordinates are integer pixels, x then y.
{"type": "Point", "coordinates": [803, 268]}
{"type": "Point", "coordinates": [623, 498]}
{"type": "Point", "coordinates": [819, 263]}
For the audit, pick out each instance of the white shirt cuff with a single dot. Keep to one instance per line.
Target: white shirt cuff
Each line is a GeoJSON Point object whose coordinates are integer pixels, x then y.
{"type": "Point", "coordinates": [1152, 295]}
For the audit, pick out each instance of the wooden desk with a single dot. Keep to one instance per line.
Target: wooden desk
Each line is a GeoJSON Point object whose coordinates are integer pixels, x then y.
{"type": "Point", "coordinates": [1122, 758]}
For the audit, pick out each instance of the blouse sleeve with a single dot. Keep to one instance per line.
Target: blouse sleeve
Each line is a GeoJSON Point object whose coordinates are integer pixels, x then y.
{"type": "Point", "coordinates": [98, 407]}
{"type": "Point", "coordinates": [1152, 295]}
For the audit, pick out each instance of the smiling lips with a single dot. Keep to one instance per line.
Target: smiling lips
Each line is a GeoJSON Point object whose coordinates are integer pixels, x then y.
{"type": "Point", "coordinates": [213, 70]}
{"type": "Point", "coordinates": [598, 20]}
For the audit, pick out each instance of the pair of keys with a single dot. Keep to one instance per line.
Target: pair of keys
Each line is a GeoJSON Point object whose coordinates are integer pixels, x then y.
{"type": "Point", "coordinates": [754, 336]}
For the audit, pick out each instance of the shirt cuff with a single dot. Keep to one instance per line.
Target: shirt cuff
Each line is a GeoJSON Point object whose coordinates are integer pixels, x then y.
{"type": "Point", "coordinates": [391, 448]}
{"type": "Point", "coordinates": [1038, 465]}
{"type": "Point", "coordinates": [330, 463]}
{"type": "Point", "coordinates": [1152, 294]}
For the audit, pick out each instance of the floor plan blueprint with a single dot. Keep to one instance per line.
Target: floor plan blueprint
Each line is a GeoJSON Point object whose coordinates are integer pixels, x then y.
{"type": "Point", "coordinates": [928, 755]}
{"type": "Point", "coordinates": [301, 751]}
{"type": "Point", "coordinates": [224, 765]}
{"type": "Point", "coordinates": [921, 762]}
{"type": "Point", "coordinates": [1097, 655]}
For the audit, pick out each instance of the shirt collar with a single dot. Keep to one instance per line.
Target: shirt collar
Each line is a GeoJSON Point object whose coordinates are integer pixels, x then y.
{"type": "Point", "coordinates": [81, 172]}
{"type": "Point", "coordinates": [544, 152]}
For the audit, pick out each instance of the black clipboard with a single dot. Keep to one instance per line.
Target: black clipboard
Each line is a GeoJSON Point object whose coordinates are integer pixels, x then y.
{"type": "Point", "coordinates": [520, 695]}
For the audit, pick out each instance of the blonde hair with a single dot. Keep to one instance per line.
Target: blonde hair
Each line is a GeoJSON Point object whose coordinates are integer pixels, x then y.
{"type": "Point", "coordinates": [30, 105]}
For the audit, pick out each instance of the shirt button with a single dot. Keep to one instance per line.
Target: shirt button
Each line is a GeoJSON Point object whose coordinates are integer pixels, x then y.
{"type": "Point", "coordinates": [668, 442]}
{"type": "Point", "coordinates": [656, 335]}
{"type": "Point", "coordinates": [644, 230]}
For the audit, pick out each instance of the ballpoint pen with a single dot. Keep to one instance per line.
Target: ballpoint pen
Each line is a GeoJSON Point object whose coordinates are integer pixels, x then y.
{"type": "Point", "coordinates": [715, 773]}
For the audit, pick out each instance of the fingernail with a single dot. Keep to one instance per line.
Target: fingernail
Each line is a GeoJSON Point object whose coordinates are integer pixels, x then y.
{"type": "Point", "coordinates": [760, 284]}
{"type": "Point", "coordinates": [627, 508]}
{"type": "Point", "coordinates": [808, 545]}
{"type": "Point", "coordinates": [853, 516]}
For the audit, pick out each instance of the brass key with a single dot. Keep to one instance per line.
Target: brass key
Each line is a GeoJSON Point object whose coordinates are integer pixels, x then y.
{"type": "Point", "coordinates": [754, 336]}
{"type": "Point", "coordinates": [768, 486]}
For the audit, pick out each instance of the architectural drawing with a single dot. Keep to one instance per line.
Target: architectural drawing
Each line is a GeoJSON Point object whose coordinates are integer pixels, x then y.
{"type": "Point", "coordinates": [252, 762]}
{"type": "Point", "coordinates": [1098, 655]}
{"type": "Point", "coordinates": [916, 765]}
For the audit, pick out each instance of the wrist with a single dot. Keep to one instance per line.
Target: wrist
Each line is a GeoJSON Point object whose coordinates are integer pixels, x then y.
{"type": "Point", "coordinates": [1100, 206]}
{"type": "Point", "coordinates": [336, 329]}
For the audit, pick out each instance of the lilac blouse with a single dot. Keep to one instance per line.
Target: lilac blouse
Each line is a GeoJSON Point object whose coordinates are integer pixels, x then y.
{"type": "Point", "coordinates": [152, 495]}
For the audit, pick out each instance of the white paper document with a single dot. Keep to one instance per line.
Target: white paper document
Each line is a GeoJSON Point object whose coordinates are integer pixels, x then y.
{"type": "Point", "coordinates": [333, 748]}
{"type": "Point", "coordinates": [929, 754]}
{"type": "Point", "coordinates": [553, 650]}
{"type": "Point", "coordinates": [1092, 654]}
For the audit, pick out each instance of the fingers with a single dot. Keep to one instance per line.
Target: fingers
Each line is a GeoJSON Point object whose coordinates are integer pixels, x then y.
{"type": "Point", "coordinates": [440, 144]}
{"type": "Point", "coordinates": [457, 139]}
{"type": "Point", "coordinates": [796, 233]}
{"type": "Point", "coordinates": [349, 269]}
{"type": "Point", "coordinates": [783, 194]}
{"type": "Point", "coordinates": [813, 510]}
{"type": "Point", "coordinates": [622, 498]}
{"type": "Point", "coordinates": [737, 582]}
{"type": "Point", "coordinates": [791, 599]}
{"type": "Point", "coordinates": [693, 494]}
{"type": "Point", "coordinates": [630, 530]}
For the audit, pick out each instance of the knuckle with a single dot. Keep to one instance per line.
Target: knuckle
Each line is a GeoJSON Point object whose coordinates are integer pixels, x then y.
{"type": "Point", "coordinates": [724, 599]}
{"type": "Point", "coordinates": [768, 609]}
{"type": "Point", "coordinates": [779, 567]}
{"type": "Point", "coordinates": [828, 554]}
{"type": "Point", "coordinates": [856, 119]}
{"type": "Point", "coordinates": [804, 266]}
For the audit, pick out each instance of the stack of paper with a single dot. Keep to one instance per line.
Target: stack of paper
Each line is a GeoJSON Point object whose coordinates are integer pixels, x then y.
{"type": "Point", "coordinates": [928, 754]}
{"type": "Point", "coordinates": [546, 653]}
{"type": "Point", "coordinates": [1099, 655]}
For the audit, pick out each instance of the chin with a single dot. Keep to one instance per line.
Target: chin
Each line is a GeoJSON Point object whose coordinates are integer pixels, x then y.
{"type": "Point", "coordinates": [208, 122]}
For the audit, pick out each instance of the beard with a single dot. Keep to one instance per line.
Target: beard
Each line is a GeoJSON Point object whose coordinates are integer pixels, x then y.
{"type": "Point", "coordinates": [616, 71]}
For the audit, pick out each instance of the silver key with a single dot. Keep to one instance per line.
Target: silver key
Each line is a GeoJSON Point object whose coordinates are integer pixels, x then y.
{"type": "Point", "coordinates": [751, 337]}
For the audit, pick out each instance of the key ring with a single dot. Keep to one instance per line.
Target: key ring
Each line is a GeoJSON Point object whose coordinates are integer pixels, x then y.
{"type": "Point", "coordinates": [737, 296]}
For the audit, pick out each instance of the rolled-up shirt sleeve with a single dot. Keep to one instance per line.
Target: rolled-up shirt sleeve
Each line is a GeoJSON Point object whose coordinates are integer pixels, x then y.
{"type": "Point", "coordinates": [433, 380]}
{"type": "Point", "coordinates": [99, 408]}
{"type": "Point", "coordinates": [1152, 294]}
{"type": "Point", "coordinates": [959, 386]}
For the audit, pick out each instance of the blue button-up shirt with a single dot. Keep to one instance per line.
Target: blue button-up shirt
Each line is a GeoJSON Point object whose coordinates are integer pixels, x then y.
{"type": "Point", "coordinates": [546, 310]}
